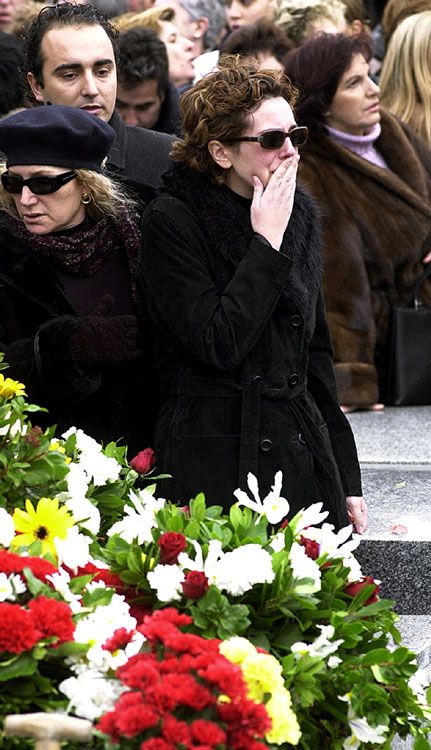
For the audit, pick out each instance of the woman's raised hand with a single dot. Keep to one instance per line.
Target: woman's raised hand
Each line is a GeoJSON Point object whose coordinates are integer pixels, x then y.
{"type": "Point", "coordinates": [272, 206]}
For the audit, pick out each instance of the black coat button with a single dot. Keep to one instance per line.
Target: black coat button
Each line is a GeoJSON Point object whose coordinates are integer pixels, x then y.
{"type": "Point", "coordinates": [293, 379]}
{"type": "Point", "coordinates": [295, 321]}
{"type": "Point", "coordinates": [257, 379]}
{"type": "Point", "coordinates": [302, 439]}
{"type": "Point", "coordinates": [265, 445]}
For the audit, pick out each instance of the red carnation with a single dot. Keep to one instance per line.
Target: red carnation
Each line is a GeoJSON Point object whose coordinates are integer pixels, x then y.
{"type": "Point", "coordinates": [312, 547]}
{"type": "Point", "coordinates": [53, 619]}
{"type": "Point", "coordinates": [157, 743]}
{"type": "Point", "coordinates": [207, 733]}
{"type": "Point", "coordinates": [108, 725]}
{"type": "Point", "coordinates": [195, 584]}
{"type": "Point", "coordinates": [119, 640]}
{"type": "Point", "coordinates": [177, 732]}
{"type": "Point", "coordinates": [10, 563]}
{"type": "Point", "coordinates": [352, 589]}
{"type": "Point", "coordinates": [171, 544]}
{"type": "Point", "coordinates": [144, 461]}
{"type": "Point", "coordinates": [131, 721]}
{"type": "Point", "coordinates": [17, 630]}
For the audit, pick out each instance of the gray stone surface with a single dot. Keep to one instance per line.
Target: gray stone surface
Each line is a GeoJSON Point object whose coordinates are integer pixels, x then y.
{"type": "Point", "coordinates": [404, 569]}
{"type": "Point", "coordinates": [398, 495]}
{"type": "Point", "coordinates": [416, 635]}
{"type": "Point", "coordinates": [396, 435]}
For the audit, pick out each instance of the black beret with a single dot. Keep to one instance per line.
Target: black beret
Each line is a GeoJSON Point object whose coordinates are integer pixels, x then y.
{"type": "Point", "coordinates": [55, 136]}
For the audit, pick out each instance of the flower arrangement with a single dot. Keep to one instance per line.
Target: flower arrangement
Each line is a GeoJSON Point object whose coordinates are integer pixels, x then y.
{"type": "Point", "coordinates": [103, 582]}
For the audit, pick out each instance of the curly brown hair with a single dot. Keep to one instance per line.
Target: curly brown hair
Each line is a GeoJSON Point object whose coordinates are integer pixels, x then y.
{"type": "Point", "coordinates": [218, 107]}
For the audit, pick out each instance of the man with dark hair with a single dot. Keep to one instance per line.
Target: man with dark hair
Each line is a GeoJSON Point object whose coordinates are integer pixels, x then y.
{"type": "Point", "coordinates": [70, 57]}
{"type": "Point", "coordinates": [145, 97]}
{"type": "Point", "coordinates": [263, 41]}
{"type": "Point", "coordinates": [10, 86]}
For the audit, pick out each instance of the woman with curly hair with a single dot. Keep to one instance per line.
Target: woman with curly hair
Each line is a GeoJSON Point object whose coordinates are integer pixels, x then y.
{"type": "Point", "coordinates": [231, 271]}
{"type": "Point", "coordinates": [69, 305]}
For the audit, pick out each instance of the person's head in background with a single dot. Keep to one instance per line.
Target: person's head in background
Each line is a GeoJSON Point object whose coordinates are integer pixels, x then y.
{"type": "Point", "coordinates": [262, 41]}
{"type": "Point", "coordinates": [244, 12]}
{"type": "Point", "coordinates": [201, 21]}
{"type": "Point", "coordinates": [6, 11]}
{"type": "Point", "coordinates": [357, 17]}
{"type": "Point", "coordinates": [405, 79]}
{"type": "Point", "coordinates": [111, 8]}
{"type": "Point", "coordinates": [331, 72]}
{"type": "Point", "coordinates": [300, 20]}
{"type": "Point", "coordinates": [397, 10]}
{"type": "Point", "coordinates": [179, 49]}
{"type": "Point", "coordinates": [11, 94]}
{"type": "Point", "coordinates": [70, 59]}
{"type": "Point", "coordinates": [143, 77]}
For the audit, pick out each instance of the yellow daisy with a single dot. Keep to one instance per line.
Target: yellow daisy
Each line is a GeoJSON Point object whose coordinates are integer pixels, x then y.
{"type": "Point", "coordinates": [10, 388]}
{"type": "Point", "coordinates": [42, 524]}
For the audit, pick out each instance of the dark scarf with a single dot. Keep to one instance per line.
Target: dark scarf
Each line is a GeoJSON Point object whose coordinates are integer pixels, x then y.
{"type": "Point", "coordinates": [87, 250]}
{"type": "Point", "coordinates": [225, 219]}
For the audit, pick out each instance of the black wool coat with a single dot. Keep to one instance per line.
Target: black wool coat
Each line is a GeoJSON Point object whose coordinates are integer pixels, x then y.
{"type": "Point", "coordinates": [113, 402]}
{"type": "Point", "coordinates": [244, 352]}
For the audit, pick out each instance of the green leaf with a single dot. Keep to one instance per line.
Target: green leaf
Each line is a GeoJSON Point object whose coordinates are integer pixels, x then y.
{"type": "Point", "coordinates": [198, 507]}
{"type": "Point", "coordinates": [23, 665]}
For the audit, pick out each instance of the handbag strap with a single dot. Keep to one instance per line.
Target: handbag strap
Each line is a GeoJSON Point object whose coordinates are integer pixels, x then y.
{"type": "Point", "coordinates": [418, 284]}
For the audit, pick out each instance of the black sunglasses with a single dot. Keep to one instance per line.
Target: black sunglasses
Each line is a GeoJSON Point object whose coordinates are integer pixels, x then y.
{"type": "Point", "coordinates": [273, 139]}
{"type": "Point", "coordinates": [42, 185]}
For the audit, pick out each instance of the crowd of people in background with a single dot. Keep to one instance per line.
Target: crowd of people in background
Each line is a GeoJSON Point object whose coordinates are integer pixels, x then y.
{"type": "Point", "coordinates": [204, 207]}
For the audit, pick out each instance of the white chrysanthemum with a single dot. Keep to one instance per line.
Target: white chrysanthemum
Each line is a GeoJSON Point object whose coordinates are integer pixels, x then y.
{"type": "Point", "coordinates": [273, 506]}
{"type": "Point", "coordinates": [61, 581]}
{"type": "Point", "coordinates": [7, 528]}
{"type": "Point", "coordinates": [84, 512]}
{"type": "Point", "coordinates": [304, 567]}
{"type": "Point", "coordinates": [140, 519]}
{"type": "Point", "coordinates": [10, 587]}
{"type": "Point", "coordinates": [101, 624]}
{"type": "Point", "coordinates": [98, 467]}
{"type": "Point", "coordinates": [73, 551]}
{"type": "Point", "coordinates": [239, 570]}
{"type": "Point", "coordinates": [166, 580]}
{"type": "Point", "coordinates": [77, 481]}
{"type": "Point", "coordinates": [91, 694]}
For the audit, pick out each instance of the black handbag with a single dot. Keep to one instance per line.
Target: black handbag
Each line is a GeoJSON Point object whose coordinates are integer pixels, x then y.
{"type": "Point", "coordinates": [409, 352]}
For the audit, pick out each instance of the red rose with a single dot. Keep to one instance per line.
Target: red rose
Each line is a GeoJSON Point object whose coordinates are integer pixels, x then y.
{"type": "Point", "coordinates": [311, 547]}
{"type": "Point", "coordinates": [144, 461]}
{"type": "Point", "coordinates": [195, 584]}
{"type": "Point", "coordinates": [171, 544]}
{"type": "Point", "coordinates": [352, 589]}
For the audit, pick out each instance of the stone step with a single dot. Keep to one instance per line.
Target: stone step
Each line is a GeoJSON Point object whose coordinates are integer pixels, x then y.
{"type": "Point", "coordinates": [398, 435]}
{"type": "Point", "coordinates": [399, 494]}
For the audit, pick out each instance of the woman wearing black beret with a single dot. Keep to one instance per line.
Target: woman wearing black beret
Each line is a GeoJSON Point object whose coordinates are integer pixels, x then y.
{"type": "Point", "coordinates": [69, 311]}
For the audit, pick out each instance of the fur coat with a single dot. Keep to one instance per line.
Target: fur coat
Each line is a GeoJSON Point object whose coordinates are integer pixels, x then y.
{"type": "Point", "coordinates": [244, 353]}
{"type": "Point", "coordinates": [376, 230]}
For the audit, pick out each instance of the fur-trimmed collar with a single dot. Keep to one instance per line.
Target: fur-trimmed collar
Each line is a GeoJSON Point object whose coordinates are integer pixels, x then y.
{"type": "Point", "coordinates": [224, 218]}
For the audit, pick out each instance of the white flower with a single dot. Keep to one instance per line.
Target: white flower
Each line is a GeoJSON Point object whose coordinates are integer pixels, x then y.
{"type": "Point", "coordinates": [100, 468]}
{"type": "Point", "coordinates": [236, 571]}
{"type": "Point", "coordinates": [73, 551]}
{"type": "Point", "coordinates": [77, 481]}
{"type": "Point", "coordinates": [84, 513]}
{"type": "Point", "coordinates": [321, 647]}
{"type": "Point", "coordinates": [274, 507]}
{"type": "Point", "coordinates": [10, 587]}
{"type": "Point", "coordinates": [91, 694]}
{"type": "Point", "coordinates": [139, 519]}
{"type": "Point", "coordinates": [363, 732]}
{"type": "Point", "coordinates": [277, 542]}
{"type": "Point", "coordinates": [336, 546]}
{"type": "Point", "coordinates": [166, 580]}
{"type": "Point", "coordinates": [303, 567]}
{"type": "Point", "coordinates": [311, 516]}
{"type": "Point", "coordinates": [239, 570]}
{"type": "Point", "coordinates": [61, 581]}
{"type": "Point", "coordinates": [7, 528]}
{"type": "Point", "coordinates": [334, 661]}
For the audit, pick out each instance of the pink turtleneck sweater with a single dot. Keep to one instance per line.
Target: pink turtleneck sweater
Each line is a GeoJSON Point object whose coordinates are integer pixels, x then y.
{"type": "Point", "coordinates": [362, 145]}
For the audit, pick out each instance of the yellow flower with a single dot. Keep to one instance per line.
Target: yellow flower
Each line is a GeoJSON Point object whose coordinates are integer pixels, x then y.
{"type": "Point", "coordinates": [236, 649]}
{"type": "Point", "coordinates": [42, 524]}
{"type": "Point", "coordinates": [10, 388]}
{"type": "Point", "coordinates": [263, 674]}
{"type": "Point", "coordinates": [285, 727]}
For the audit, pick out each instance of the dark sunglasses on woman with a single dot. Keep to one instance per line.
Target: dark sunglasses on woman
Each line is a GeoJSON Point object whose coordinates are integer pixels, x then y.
{"type": "Point", "coordinates": [273, 139]}
{"type": "Point", "coordinates": [42, 185]}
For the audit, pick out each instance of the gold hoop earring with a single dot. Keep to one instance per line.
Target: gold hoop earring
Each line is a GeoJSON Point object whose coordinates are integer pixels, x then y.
{"type": "Point", "coordinates": [86, 198]}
